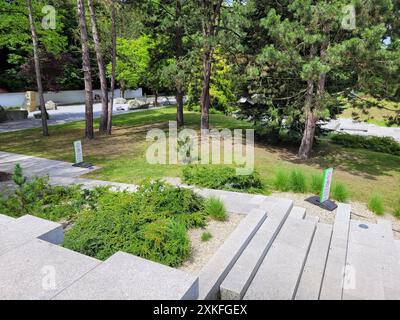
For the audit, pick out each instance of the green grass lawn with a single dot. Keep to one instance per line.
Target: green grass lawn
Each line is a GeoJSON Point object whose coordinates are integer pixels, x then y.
{"type": "Point", "coordinates": [373, 115]}
{"type": "Point", "coordinates": [122, 155]}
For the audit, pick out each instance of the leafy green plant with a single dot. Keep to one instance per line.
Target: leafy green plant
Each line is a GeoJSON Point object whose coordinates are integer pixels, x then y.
{"type": "Point", "coordinates": [215, 208]}
{"type": "Point", "coordinates": [316, 184]}
{"type": "Point", "coordinates": [375, 204]}
{"type": "Point", "coordinates": [206, 236]}
{"type": "Point", "coordinates": [282, 180]}
{"type": "Point", "coordinates": [379, 144]}
{"type": "Point", "coordinates": [298, 182]}
{"type": "Point", "coordinates": [397, 213]}
{"type": "Point", "coordinates": [340, 192]}
{"type": "Point", "coordinates": [220, 177]}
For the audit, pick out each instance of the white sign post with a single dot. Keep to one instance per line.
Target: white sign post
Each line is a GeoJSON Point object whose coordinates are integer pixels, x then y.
{"type": "Point", "coordinates": [78, 151]}
{"type": "Point", "coordinates": [326, 185]}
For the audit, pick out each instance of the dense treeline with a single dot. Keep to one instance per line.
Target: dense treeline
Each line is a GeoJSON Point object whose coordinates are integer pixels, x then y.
{"type": "Point", "coordinates": [293, 63]}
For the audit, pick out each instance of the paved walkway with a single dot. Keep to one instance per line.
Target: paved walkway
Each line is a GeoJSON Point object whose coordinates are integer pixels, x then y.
{"type": "Point", "coordinates": [351, 126]}
{"type": "Point", "coordinates": [65, 114]}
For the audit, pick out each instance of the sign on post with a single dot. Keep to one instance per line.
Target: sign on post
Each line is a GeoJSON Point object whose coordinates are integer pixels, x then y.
{"type": "Point", "coordinates": [326, 185]}
{"type": "Point", "coordinates": [78, 151]}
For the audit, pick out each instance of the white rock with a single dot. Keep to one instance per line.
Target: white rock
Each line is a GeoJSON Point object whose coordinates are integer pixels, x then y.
{"type": "Point", "coordinates": [50, 105]}
{"type": "Point", "coordinates": [120, 101]}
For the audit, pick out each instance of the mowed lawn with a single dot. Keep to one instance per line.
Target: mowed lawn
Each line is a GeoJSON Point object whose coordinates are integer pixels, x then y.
{"type": "Point", "coordinates": [122, 155]}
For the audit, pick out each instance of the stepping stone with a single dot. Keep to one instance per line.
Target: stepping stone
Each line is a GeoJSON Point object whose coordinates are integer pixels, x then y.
{"type": "Point", "coordinates": [364, 271]}
{"type": "Point", "coordinates": [27, 228]}
{"type": "Point", "coordinates": [127, 277]}
{"type": "Point", "coordinates": [298, 213]}
{"type": "Point", "coordinates": [239, 278]}
{"type": "Point", "coordinates": [5, 219]}
{"type": "Point", "coordinates": [311, 279]}
{"type": "Point", "coordinates": [332, 284]}
{"type": "Point", "coordinates": [40, 270]}
{"type": "Point", "coordinates": [214, 273]}
{"type": "Point", "coordinates": [279, 274]}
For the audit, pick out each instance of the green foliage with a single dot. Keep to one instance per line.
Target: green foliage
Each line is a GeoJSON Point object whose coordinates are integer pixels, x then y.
{"type": "Point", "coordinates": [375, 204]}
{"type": "Point", "coordinates": [151, 223]}
{"type": "Point", "coordinates": [206, 236]}
{"type": "Point", "coordinates": [379, 144]}
{"type": "Point", "coordinates": [282, 180]}
{"type": "Point", "coordinates": [340, 192]}
{"type": "Point", "coordinates": [298, 181]}
{"type": "Point", "coordinates": [397, 213]}
{"type": "Point", "coordinates": [316, 184]}
{"type": "Point", "coordinates": [38, 198]}
{"type": "Point", "coordinates": [220, 177]}
{"type": "Point", "coordinates": [215, 208]}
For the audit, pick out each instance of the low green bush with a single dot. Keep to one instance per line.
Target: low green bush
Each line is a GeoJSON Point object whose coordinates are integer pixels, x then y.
{"type": "Point", "coordinates": [206, 236]}
{"type": "Point", "coordinates": [316, 184]}
{"type": "Point", "coordinates": [220, 177]}
{"type": "Point", "coordinates": [397, 213]}
{"type": "Point", "coordinates": [298, 182]}
{"type": "Point", "coordinates": [340, 192]}
{"type": "Point", "coordinates": [375, 204]}
{"type": "Point", "coordinates": [282, 180]}
{"type": "Point", "coordinates": [215, 208]}
{"type": "Point", "coordinates": [379, 144]}
{"type": "Point", "coordinates": [151, 223]}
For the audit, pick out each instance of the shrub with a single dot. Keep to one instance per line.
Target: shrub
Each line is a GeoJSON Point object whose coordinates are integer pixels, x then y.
{"type": "Point", "coordinates": [375, 204]}
{"type": "Point", "coordinates": [281, 181]}
{"type": "Point", "coordinates": [316, 184]}
{"type": "Point", "coordinates": [220, 177]}
{"type": "Point", "coordinates": [206, 236]}
{"type": "Point", "coordinates": [215, 208]}
{"type": "Point", "coordinates": [379, 144]}
{"type": "Point", "coordinates": [298, 181]}
{"type": "Point", "coordinates": [397, 213]}
{"type": "Point", "coordinates": [151, 223]}
{"type": "Point", "coordinates": [340, 192]}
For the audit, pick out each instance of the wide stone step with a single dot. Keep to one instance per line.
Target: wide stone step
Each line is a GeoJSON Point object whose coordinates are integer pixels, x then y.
{"type": "Point", "coordinates": [127, 277]}
{"type": "Point", "coordinates": [212, 275]}
{"type": "Point", "coordinates": [364, 265]}
{"type": "Point", "coordinates": [239, 278]}
{"type": "Point", "coordinates": [298, 212]}
{"type": "Point", "coordinates": [27, 228]}
{"type": "Point", "coordinates": [332, 284]}
{"type": "Point", "coordinates": [279, 274]}
{"type": "Point", "coordinates": [311, 279]}
{"type": "Point", "coordinates": [40, 270]}
{"type": "Point", "coordinates": [5, 219]}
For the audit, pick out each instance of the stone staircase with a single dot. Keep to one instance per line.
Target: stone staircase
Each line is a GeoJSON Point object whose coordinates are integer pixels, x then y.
{"type": "Point", "coordinates": [276, 252]}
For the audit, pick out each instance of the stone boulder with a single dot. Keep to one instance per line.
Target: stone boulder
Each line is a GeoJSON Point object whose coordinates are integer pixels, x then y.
{"type": "Point", "coordinates": [135, 104]}
{"type": "Point", "coordinates": [50, 105]}
{"type": "Point", "coordinates": [120, 101]}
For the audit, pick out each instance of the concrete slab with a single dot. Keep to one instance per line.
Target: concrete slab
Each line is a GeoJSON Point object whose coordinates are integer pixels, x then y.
{"type": "Point", "coordinates": [239, 278]}
{"type": "Point", "coordinates": [127, 277]}
{"type": "Point", "coordinates": [5, 219]}
{"type": "Point", "coordinates": [27, 228]}
{"type": "Point", "coordinates": [279, 274]}
{"type": "Point", "coordinates": [40, 270]}
{"type": "Point", "coordinates": [311, 279]}
{"type": "Point", "coordinates": [298, 212]}
{"type": "Point", "coordinates": [214, 273]}
{"type": "Point", "coordinates": [332, 284]}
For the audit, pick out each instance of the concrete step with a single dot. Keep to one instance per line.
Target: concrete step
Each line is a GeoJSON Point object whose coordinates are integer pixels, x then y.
{"type": "Point", "coordinates": [27, 228]}
{"type": "Point", "coordinates": [212, 275]}
{"type": "Point", "coordinates": [311, 279]}
{"type": "Point", "coordinates": [239, 278]}
{"type": "Point", "coordinates": [40, 270]}
{"type": "Point", "coordinates": [5, 219]}
{"type": "Point", "coordinates": [332, 284]}
{"type": "Point", "coordinates": [298, 212]}
{"type": "Point", "coordinates": [364, 264]}
{"type": "Point", "coordinates": [127, 277]}
{"type": "Point", "coordinates": [279, 274]}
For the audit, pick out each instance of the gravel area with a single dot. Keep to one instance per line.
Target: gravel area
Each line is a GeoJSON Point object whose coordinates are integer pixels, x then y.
{"type": "Point", "coordinates": [359, 211]}
{"type": "Point", "coordinates": [201, 252]}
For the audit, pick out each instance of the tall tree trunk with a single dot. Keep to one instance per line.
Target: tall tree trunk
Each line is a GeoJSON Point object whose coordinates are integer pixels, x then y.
{"type": "Point", "coordinates": [43, 112]}
{"type": "Point", "coordinates": [86, 71]}
{"type": "Point", "coordinates": [113, 63]}
{"type": "Point", "coordinates": [309, 130]}
{"type": "Point", "coordinates": [205, 92]}
{"type": "Point", "coordinates": [178, 56]}
{"type": "Point", "coordinates": [102, 71]}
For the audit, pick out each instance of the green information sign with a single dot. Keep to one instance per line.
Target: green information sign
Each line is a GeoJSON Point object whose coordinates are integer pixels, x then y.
{"type": "Point", "coordinates": [326, 185]}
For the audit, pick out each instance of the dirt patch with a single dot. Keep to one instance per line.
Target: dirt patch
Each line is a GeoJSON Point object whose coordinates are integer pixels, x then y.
{"type": "Point", "coordinates": [202, 251]}
{"type": "Point", "coordinates": [359, 211]}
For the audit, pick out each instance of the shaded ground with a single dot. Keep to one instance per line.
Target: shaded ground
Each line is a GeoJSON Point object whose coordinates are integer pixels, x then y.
{"type": "Point", "coordinates": [122, 155]}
